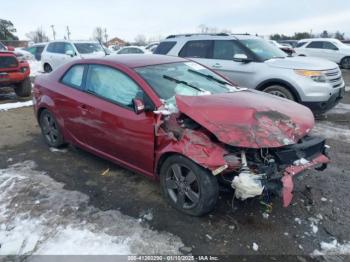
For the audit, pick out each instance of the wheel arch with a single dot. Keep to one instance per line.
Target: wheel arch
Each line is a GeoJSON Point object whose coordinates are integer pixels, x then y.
{"type": "Point", "coordinates": [276, 81]}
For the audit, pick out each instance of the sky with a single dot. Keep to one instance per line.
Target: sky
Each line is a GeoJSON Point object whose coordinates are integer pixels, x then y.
{"type": "Point", "coordinates": [158, 18]}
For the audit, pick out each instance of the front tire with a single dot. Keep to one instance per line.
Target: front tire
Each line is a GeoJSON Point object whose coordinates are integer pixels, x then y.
{"type": "Point", "coordinates": [47, 68]}
{"type": "Point", "coordinates": [24, 88]}
{"type": "Point", "coordinates": [345, 62]}
{"type": "Point", "coordinates": [50, 129]}
{"type": "Point", "coordinates": [280, 91]}
{"type": "Point", "coordinates": [187, 186]}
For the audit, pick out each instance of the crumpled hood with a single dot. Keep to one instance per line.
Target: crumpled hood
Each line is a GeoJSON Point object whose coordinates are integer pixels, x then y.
{"type": "Point", "coordinates": [249, 118]}
{"type": "Point", "coordinates": [300, 62]}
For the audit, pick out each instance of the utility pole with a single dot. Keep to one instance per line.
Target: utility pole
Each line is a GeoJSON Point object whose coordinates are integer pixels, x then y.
{"type": "Point", "coordinates": [106, 36]}
{"type": "Point", "coordinates": [53, 32]}
{"type": "Point", "coordinates": [68, 33]}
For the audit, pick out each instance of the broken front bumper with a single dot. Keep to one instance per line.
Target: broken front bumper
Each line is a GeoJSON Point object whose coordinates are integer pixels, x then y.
{"type": "Point", "coordinates": [291, 171]}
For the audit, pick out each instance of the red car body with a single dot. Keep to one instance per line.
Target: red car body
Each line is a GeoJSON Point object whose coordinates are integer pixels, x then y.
{"type": "Point", "coordinates": [245, 120]}
{"type": "Point", "coordinates": [12, 71]}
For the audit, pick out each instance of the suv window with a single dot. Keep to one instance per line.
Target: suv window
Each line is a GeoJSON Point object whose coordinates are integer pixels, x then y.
{"type": "Point", "coordinates": [315, 44]}
{"type": "Point", "coordinates": [164, 47]}
{"type": "Point", "coordinates": [197, 48]}
{"type": "Point", "coordinates": [226, 49]}
{"type": "Point", "coordinates": [329, 45]}
{"type": "Point", "coordinates": [74, 76]}
{"type": "Point", "coordinates": [59, 47]}
{"type": "Point", "coordinates": [112, 84]}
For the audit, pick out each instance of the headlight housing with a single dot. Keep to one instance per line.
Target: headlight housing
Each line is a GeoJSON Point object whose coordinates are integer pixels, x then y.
{"type": "Point", "coordinates": [317, 76]}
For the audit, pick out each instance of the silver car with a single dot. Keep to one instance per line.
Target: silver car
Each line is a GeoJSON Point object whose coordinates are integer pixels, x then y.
{"type": "Point", "coordinates": [253, 62]}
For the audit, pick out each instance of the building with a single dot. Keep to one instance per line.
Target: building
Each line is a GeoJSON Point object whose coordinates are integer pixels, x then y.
{"type": "Point", "coordinates": [115, 41]}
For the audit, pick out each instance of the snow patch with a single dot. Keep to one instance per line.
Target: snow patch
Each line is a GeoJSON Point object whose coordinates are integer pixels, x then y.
{"type": "Point", "coordinates": [39, 216]}
{"type": "Point", "coordinates": [300, 162]}
{"type": "Point", "coordinates": [255, 246]}
{"type": "Point", "coordinates": [52, 149]}
{"type": "Point", "coordinates": [35, 68]}
{"type": "Point", "coordinates": [8, 106]}
{"type": "Point", "coordinates": [347, 88]}
{"type": "Point", "coordinates": [332, 248]}
{"type": "Point", "coordinates": [332, 131]}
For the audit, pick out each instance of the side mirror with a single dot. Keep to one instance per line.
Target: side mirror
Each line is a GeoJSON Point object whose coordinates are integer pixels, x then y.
{"type": "Point", "coordinates": [10, 48]}
{"type": "Point", "coordinates": [139, 106]}
{"type": "Point", "coordinates": [241, 58]}
{"type": "Point", "coordinates": [70, 53]}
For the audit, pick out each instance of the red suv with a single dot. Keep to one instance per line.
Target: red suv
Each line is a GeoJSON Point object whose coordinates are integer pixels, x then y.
{"type": "Point", "coordinates": [178, 122]}
{"type": "Point", "coordinates": [14, 73]}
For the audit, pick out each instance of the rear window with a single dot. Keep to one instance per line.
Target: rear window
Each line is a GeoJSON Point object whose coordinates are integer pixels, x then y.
{"type": "Point", "coordinates": [200, 49]}
{"type": "Point", "coordinates": [164, 47]}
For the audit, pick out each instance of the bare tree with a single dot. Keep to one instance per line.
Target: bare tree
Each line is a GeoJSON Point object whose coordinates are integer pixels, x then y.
{"type": "Point", "coordinates": [38, 36]}
{"type": "Point", "coordinates": [98, 34]}
{"type": "Point", "coordinates": [140, 40]}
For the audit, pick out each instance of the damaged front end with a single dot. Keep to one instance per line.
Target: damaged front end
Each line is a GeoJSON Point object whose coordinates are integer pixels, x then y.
{"type": "Point", "coordinates": [256, 151]}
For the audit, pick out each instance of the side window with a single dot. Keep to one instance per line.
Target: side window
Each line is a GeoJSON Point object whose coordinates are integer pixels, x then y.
{"type": "Point", "coordinates": [31, 50]}
{"type": "Point", "coordinates": [135, 51]}
{"type": "Point", "coordinates": [200, 49]}
{"type": "Point", "coordinates": [300, 44]}
{"type": "Point", "coordinates": [226, 49]}
{"type": "Point", "coordinates": [164, 47]}
{"type": "Point", "coordinates": [124, 51]}
{"type": "Point", "coordinates": [315, 44]}
{"type": "Point", "coordinates": [329, 45]}
{"type": "Point", "coordinates": [74, 76]}
{"type": "Point", "coordinates": [112, 84]}
{"type": "Point", "coordinates": [59, 48]}
{"type": "Point", "coordinates": [68, 47]}
{"type": "Point", "coordinates": [51, 47]}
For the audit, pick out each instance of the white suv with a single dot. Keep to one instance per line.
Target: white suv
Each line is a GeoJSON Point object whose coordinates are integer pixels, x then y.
{"type": "Point", "coordinates": [57, 53]}
{"type": "Point", "coordinates": [252, 62]}
{"type": "Point", "coordinates": [328, 48]}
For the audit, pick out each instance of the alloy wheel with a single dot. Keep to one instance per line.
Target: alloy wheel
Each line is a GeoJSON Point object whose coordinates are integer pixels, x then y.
{"type": "Point", "coordinates": [50, 129]}
{"type": "Point", "coordinates": [182, 186]}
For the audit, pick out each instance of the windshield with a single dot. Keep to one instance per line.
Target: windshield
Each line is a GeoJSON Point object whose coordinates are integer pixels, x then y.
{"type": "Point", "coordinates": [185, 78]}
{"type": "Point", "coordinates": [263, 49]}
{"type": "Point", "coordinates": [88, 48]}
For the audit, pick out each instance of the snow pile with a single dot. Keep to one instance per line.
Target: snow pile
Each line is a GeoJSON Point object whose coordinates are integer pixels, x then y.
{"type": "Point", "coordinates": [38, 216]}
{"type": "Point", "coordinates": [333, 131]}
{"type": "Point", "coordinates": [35, 67]}
{"type": "Point", "coordinates": [332, 248]}
{"type": "Point", "coordinates": [7, 106]}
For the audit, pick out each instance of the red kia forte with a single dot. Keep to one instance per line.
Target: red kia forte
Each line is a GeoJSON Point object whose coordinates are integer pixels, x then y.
{"type": "Point", "coordinates": [178, 122]}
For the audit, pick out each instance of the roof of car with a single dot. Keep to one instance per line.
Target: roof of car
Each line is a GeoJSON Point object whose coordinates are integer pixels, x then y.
{"type": "Point", "coordinates": [137, 60]}
{"type": "Point", "coordinates": [318, 39]}
{"type": "Point", "coordinates": [209, 36]}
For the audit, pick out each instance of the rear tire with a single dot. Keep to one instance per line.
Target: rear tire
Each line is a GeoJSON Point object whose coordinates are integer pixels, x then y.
{"type": "Point", "coordinates": [50, 129]}
{"type": "Point", "coordinates": [280, 91]}
{"type": "Point", "coordinates": [47, 68]}
{"type": "Point", "coordinates": [345, 62]}
{"type": "Point", "coordinates": [187, 186]}
{"type": "Point", "coordinates": [24, 89]}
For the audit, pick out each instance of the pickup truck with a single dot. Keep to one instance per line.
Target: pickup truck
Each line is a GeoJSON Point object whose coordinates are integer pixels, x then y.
{"type": "Point", "coordinates": [15, 73]}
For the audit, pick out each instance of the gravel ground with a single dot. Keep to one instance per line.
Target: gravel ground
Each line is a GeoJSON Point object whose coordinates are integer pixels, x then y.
{"type": "Point", "coordinates": [320, 211]}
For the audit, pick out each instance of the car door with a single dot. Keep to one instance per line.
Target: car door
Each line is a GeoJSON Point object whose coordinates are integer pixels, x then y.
{"type": "Point", "coordinates": [60, 53]}
{"type": "Point", "coordinates": [315, 49]}
{"type": "Point", "coordinates": [112, 127]}
{"type": "Point", "coordinates": [331, 52]}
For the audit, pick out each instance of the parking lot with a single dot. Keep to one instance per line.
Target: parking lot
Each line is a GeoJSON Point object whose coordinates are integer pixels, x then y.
{"type": "Point", "coordinates": [95, 191]}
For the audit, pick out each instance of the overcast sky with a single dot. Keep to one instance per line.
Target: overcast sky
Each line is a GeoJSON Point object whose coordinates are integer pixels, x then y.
{"type": "Point", "coordinates": [153, 18]}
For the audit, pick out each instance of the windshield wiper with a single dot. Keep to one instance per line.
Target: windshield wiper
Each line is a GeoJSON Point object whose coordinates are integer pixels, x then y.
{"type": "Point", "coordinates": [182, 82]}
{"type": "Point", "coordinates": [209, 77]}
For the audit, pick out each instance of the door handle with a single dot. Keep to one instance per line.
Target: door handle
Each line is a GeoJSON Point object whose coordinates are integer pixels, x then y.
{"type": "Point", "coordinates": [217, 65]}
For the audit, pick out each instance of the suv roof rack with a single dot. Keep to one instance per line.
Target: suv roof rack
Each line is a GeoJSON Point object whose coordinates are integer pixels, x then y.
{"type": "Point", "coordinates": [212, 34]}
